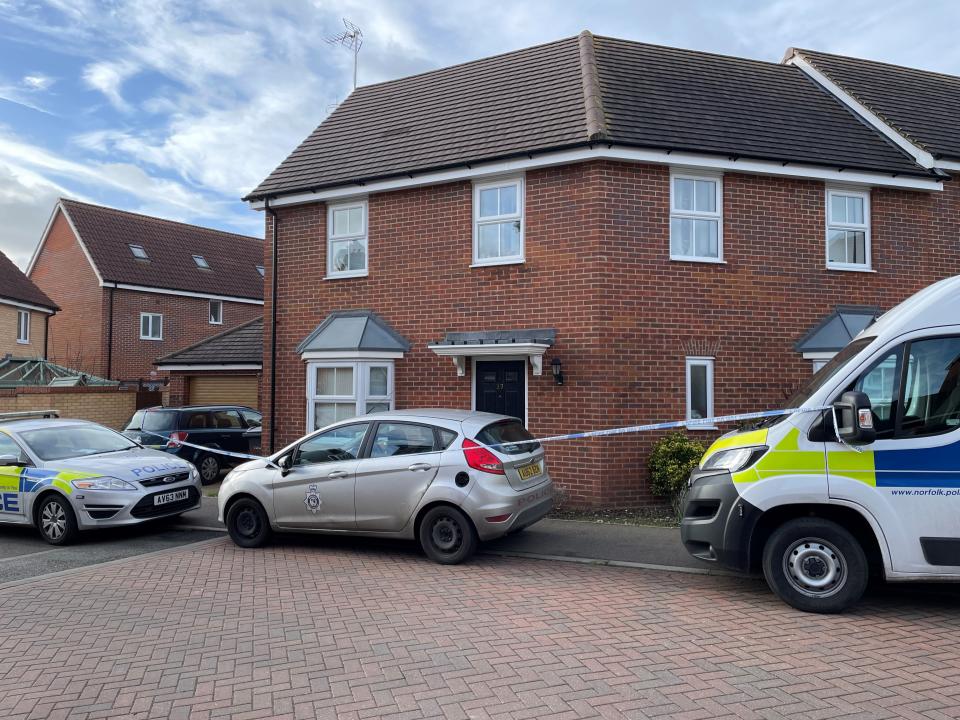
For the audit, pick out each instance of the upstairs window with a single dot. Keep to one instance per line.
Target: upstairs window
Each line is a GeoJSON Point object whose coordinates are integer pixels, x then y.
{"type": "Point", "coordinates": [848, 230]}
{"type": "Point", "coordinates": [139, 252]}
{"type": "Point", "coordinates": [216, 312]}
{"type": "Point", "coordinates": [201, 262]}
{"type": "Point", "coordinates": [151, 326]}
{"type": "Point", "coordinates": [347, 239]}
{"type": "Point", "coordinates": [23, 327]}
{"type": "Point", "coordinates": [498, 222]}
{"type": "Point", "coordinates": [696, 218]}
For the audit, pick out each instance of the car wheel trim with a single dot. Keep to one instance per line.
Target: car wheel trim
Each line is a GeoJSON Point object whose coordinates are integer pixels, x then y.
{"type": "Point", "coordinates": [247, 523]}
{"type": "Point", "coordinates": [814, 568]}
{"type": "Point", "coordinates": [209, 468]}
{"type": "Point", "coordinates": [446, 534]}
{"type": "Point", "coordinates": [53, 520]}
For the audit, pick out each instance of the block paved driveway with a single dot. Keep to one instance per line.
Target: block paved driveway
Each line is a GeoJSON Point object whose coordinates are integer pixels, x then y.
{"type": "Point", "coordinates": [315, 628]}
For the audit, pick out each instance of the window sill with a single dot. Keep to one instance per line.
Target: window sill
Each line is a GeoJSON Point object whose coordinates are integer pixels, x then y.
{"type": "Point", "coordinates": [850, 268]}
{"type": "Point", "coordinates": [707, 261]}
{"type": "Point", "coordinates": [216, 323]}
{"type": "Point", "coordinates": [23, 342]}
{"type": "Point", "coordinates": [346, 276]}
{"type": "Point", "coordinates": [695, 426]}
{"type": "Point", "coordinates": [495, 263]}
{"type": "Point", "coordinates": [151, 339]}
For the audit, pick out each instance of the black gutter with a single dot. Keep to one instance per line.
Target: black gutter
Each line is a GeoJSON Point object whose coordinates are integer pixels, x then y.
{"type": "Point", "coordinates": [110, 339]}
{"type": "Point", "coordinates": [273, 326]}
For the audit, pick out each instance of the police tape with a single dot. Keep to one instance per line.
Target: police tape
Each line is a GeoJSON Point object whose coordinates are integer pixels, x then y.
{"type": "Point", "coordinates": [697, 423]}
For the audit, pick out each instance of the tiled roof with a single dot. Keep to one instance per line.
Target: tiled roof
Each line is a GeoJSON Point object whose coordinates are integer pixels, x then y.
{"type": "Point", "coordinates": [16, 286]}
{"type": "Point", "coordinates": [239, 345]}
{"type": "Point", "coordinates": [170, 246]}
{"type": "Point", "coordinates": [573, 92]}
{"type": "Point", "coordinates": [922, 106]}
{"type": "Point", "coordinates": [354, 330]}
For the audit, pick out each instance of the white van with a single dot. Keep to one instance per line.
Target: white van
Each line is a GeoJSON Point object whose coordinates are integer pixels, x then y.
{"type": "Point", "coordinates": [819, 513]}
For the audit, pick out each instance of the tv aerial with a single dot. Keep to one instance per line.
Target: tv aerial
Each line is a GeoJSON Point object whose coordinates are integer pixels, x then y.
{"type": "Point", "coordinates": [351, 38]}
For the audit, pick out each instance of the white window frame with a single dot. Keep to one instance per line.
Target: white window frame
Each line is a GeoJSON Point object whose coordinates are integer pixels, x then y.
{"type": "Point", "coordinates": [361, 237]}
{"type": "Point", "coordinates": [23, 327]}
{"type": "Point", "coordinates": [157, 317]}
{"type": "Point", "coordinates": [495, 219]}
{"type": "Point", "coordinates": [864, 228]}
{"type": "Point", "coordinates": [708, 362]}
{"type": "Point", "coordinates": [201, 262]}
{"type": "Point", "coordinates": [676, 213]}
{"type": "Point", "coordinates": [218, 303]}
{"type": "Point", "coordinates": [134, 248]}
{"type": "Point", "coordinates": [361, 396]}
{"type": "Point", "coordinates": [262, 270]}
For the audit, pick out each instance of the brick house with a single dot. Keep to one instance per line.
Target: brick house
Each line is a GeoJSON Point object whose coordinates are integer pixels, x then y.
{"type": "Point", "coordinates": [134, 288]}
{"type": "Point", "coordinates": [587, 233]}
{"type": "Point", "coordinates": [25, 311]}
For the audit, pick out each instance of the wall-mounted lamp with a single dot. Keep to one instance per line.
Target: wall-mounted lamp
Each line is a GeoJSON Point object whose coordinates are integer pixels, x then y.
{"type": "Point", "coordinates": [557, 374]}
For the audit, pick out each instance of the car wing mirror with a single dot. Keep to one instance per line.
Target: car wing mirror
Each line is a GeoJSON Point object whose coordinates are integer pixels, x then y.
{"type": "Point", "coordinates": [285, 464]}
{"type": "Point", "coordinates": [14, 460]}
{"type": "Point", "coordinates": [854, 418]}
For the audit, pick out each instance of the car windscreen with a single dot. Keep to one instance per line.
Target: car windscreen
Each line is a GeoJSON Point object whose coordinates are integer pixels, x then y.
{"type": "Point", "coordinates": [160, 420]}
{"type": "Point", "coordinates": [135, 421]}
{"type": "Point", "coordinates": [73, 441]}
{"type": "Point", "coordinates": [510, 437]}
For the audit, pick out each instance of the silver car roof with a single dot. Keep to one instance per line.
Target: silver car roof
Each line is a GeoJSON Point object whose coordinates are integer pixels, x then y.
{"type": "Point", "coordinates": [18, 426]}
{"type": "Point", "coordinates": [437, 414]}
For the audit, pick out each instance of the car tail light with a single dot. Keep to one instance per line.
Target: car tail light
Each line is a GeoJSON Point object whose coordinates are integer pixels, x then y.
{"type": "Point", "coordinates": [175, 439]}
{"type": "Point", "coordinates": [479, 458]}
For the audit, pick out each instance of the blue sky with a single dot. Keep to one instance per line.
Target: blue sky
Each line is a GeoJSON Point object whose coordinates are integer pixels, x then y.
{"type": "Point", "coordinates": [179, 108]}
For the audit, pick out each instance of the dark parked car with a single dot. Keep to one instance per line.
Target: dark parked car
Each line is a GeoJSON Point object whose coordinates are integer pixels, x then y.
{"type": "Point", "coordinates": [226, 427]}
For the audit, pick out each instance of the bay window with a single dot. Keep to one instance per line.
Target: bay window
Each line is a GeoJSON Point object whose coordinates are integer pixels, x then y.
{"type": "Point", "coordinates": [341, 390]}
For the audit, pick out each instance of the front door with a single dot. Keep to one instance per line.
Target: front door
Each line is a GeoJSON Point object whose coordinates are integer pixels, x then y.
{"type": "Point", "coordinates": [501, 388]}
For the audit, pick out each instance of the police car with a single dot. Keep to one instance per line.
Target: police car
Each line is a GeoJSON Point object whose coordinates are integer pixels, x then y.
{"type": "Point", "coordinates": [865, 479]}
{"type": "Point", "coordinates": [63, 476]}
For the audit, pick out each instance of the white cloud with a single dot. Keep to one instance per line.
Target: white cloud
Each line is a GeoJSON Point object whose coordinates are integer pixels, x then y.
{"type": "Point", "coordinates": [37, 81]}
{"type": "Point", "coordinates": [108, 78]}
{"type": "Point", "coordinates": [26, 200]}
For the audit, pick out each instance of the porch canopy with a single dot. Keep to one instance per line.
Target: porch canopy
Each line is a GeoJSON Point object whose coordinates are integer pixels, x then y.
{"type": "Point", "coordinates": [832, 333]}
{"type": "Point", "coordinates": [458, 346]}
{"type": "Point", "coordinates": [350, 333]}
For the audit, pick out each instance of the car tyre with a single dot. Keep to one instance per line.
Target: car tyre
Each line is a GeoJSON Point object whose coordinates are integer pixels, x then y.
{"type": "Point", "coordinates": [56, 520]}
{"type": "Point", "coordinates": [209, 469]}
{"type": "Point", "coordinates": [815, 565]}
{"type": "Point", "coordinates": [248, 524]}
{"type": "Point", "coordinates": [447, 536]}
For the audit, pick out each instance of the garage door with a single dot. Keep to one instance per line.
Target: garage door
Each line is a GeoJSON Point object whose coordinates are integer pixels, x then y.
{"type": "Point", "coordinates": [224, 390]}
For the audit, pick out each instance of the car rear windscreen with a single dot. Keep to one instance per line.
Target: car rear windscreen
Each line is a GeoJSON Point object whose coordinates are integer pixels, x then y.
{"type": "Point", "coordinates": [160, 420]}
{"type": "Point", "coordinates": [511, 437]}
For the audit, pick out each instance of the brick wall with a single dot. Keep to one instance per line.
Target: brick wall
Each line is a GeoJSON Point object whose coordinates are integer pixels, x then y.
{"type": "Point", "coordinates": [63, 272]}
{"type": "Point", "coordinates": [9, 320]}
{"type": "Point", "coordinates": [108, 406]}
{"type": "Point", "coordinates": [598, 270]}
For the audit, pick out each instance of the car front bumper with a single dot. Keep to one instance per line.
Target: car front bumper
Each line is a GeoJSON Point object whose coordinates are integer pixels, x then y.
{"type": "Point", "coordinates": [96, 508]}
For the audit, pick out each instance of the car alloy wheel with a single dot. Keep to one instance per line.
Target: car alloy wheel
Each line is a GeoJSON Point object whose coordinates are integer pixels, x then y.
{"type": "Point", "coordinates": [53, 520]}
{"type": "Point", "coordinates": [209, 469]}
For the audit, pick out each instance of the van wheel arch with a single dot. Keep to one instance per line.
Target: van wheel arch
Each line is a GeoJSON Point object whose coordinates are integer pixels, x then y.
{"type": "Point", "coordinates": [847, 517]}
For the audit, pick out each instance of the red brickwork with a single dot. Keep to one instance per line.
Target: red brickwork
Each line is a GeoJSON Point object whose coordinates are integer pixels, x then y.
{"type": "Point", "coordinates": [598, 270]}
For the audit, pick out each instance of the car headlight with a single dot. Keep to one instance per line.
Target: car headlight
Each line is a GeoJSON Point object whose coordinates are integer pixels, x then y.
{"type": "Point", "coordinates": [103, 483]}
{"type": "Point", "coordinates": [734, 459]}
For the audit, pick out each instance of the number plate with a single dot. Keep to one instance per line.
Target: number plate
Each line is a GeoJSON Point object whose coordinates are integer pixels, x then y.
{"type": "Point", "coordinates": [171, 497]}
{"type": "Point", "coordinates": [529, 471]}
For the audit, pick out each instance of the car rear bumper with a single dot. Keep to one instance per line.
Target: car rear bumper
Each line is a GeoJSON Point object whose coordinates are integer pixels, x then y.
{"type": "Point", "coordinates": [96, 509]}
{"type": "Point", "coordinates": [522, 509]}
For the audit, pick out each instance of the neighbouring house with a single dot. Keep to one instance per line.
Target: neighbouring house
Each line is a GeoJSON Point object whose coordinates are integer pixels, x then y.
{"type": "Point", "coordinates": [588, 233]}
{"type": "Point", "coordinates": [25, 311]}
{"type": "Point", "coordinates": [223, 369]}
{"type": "Point", "coordinates": [133, 288]}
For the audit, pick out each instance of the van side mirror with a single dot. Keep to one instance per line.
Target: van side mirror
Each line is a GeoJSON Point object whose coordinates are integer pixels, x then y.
{"type": "Point", "coordinates": [855, 418]}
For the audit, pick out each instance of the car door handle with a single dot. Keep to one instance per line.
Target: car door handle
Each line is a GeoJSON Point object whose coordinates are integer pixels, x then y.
{"type": "Point", "coordinates": [420, 466]}
{"type": "Point", "coordinates": [336, 474]}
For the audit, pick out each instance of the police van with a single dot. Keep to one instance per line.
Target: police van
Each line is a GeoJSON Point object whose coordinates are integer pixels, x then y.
{"type": "Point", "coordinates": [864, 479]}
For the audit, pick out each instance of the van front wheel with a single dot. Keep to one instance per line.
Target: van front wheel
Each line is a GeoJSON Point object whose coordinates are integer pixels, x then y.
{"type": "Point", "coordinates": [815, 565]}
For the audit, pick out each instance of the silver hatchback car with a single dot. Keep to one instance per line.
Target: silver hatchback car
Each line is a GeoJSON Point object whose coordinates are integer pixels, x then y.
{"type": "Point", "coordinates": [447, 478]}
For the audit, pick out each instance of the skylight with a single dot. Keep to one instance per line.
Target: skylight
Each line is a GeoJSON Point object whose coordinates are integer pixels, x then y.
{"type": "Point", "coordinates": [138, 252]}
{"type": "Point", "coordinates": [201, 262]}
{"type": "Point", "coordinates": [261, 270]}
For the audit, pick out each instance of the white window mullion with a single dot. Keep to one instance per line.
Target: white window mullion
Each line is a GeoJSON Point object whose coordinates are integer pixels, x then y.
{"type": "Point", "coordinates": [696, 217]}
{"type": "Point", "coordinates": [23, 327]}
{"type": "Point", "coordinates": [498, 209]}
{"type": "Point", "coordinates": [347, 239]}
{"type": "Point", "coordinates": [848, 245]}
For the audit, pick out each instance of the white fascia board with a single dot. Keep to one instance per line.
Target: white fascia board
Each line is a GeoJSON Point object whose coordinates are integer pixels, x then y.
{"type": "Point", "coordinates": [825, 355]}
{"type": "Point", "coordinates": [921, 156]}
{"type": "Point", "coordinates": [948, 165]}
{"type": "Point", "coordinates": [181, 293]}
{"type": "Point", "coordinates": [26, 306]}
{"type": "Point", "coordinates": [224, 366]}
{"type": "Point", "coordinates": [350, 355]}
{"type": "Point", "coordinates": [567, 157]}
{"type": "Point", "coordinates": [46, 231]}
{"type": "Point", "coordinates": [490, 349]}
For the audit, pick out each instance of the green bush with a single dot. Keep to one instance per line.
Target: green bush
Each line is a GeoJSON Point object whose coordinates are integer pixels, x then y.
{"type": "Point", "coordinates": [670, 463]}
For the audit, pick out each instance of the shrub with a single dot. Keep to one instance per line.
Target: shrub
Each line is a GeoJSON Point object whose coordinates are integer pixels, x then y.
{"type": "Point", "coordinates": [670, 463]}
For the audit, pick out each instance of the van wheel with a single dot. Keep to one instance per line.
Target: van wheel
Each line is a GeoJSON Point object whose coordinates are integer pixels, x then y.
{"type": "Point", "coordinates": [248, 524]}
{"type": "Point", "coordinates": [447, 536]}
{"type": "Point", "coordinates": [815, 565]}
{"type": "Point", "coordinates": [56, 521]}
{"type": "Point", "coordinates": [209, 468]}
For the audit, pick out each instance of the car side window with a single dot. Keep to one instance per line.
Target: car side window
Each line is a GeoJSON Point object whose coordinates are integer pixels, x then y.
{"type": "Point", "coordinates": [253, 418]}
{"type": "Point", "coordinates": [446, 438]}
{"type": "Point", "coordinates": [10, 448]}
{"type": "Point", "coordinates": [341, 443]}
{"type": "Point", "coordinates": [197, 421]}
{"type": "Point", "coordinates": [136, 421]}
{"type": "Point", "coordinates": [931, 395]}
{"type": "Point", "coordinates": [401, 439]}
{"type": "Point", "coordinates": [880, 383]}
{"type": "Point", "coordinates": [226, 420]}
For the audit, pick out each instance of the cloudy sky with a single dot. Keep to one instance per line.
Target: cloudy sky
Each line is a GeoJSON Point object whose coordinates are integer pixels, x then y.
{"type": "Point", "coordinates": [179, 108]}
